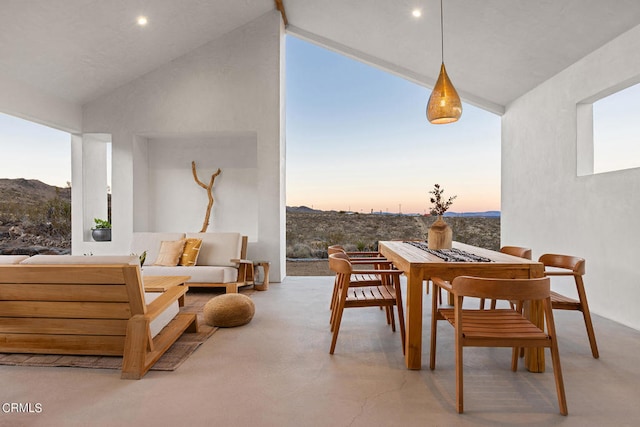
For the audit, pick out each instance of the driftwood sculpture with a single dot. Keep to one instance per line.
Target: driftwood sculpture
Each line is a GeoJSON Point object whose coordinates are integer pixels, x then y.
{"type": "Point", "coordinates": [209, 189]}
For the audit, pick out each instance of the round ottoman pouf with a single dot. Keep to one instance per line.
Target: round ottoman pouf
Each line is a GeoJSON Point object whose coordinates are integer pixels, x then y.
{"type": "Point", "coordinates": [229, 310]}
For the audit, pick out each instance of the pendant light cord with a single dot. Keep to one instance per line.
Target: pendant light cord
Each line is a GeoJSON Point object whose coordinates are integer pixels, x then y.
{"type": "Point", "coordinates": [441, 34]}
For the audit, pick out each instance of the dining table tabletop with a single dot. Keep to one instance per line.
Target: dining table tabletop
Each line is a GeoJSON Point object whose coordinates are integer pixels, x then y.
{"type": "Point", "coordinates": [420, 264]}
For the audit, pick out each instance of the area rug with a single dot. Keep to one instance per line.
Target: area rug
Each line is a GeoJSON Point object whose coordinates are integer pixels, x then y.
{"type": "Point", "coordinates": [170, 361]}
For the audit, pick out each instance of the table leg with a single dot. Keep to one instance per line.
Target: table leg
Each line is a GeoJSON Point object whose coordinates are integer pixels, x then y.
{"type": "Point", "coordinates": [534, 311]}
{"type": "Point", "coordinates": [413, 350]}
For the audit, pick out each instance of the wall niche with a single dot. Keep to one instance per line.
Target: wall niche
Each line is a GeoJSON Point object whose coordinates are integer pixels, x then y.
{"type": "Point", "coordinates": [166, 197]}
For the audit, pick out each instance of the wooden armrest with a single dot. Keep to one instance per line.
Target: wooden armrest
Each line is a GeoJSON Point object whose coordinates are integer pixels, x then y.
{"type": "Point", "coordinates": [443, 284]}
{"type": "Point", "coordinates": [368, 258]}
{"type": "Point", "coordinates": [161, 303]}
{"type": "Point", "coordinates": [395, 272]}
{"type": "Point", "coordinates": [241, 261]}
{"type": "Point", "coordinates": [374, 261]}
{"type": "Point", "coordinates": [560, 273]}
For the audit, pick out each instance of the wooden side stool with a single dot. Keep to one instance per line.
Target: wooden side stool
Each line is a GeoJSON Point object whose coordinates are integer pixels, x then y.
{"type": "Point", "coordinates": [265, 269]}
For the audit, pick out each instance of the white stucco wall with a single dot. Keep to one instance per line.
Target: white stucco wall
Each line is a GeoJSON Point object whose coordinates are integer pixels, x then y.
{"type": "Point", "coordinates": [231, 85]}
{"type": "Point", "coordinates": [547, 207]}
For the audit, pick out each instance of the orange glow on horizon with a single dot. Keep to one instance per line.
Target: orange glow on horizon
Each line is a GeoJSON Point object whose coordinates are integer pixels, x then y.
{"type": "Point", "coordinates": [356, 204]}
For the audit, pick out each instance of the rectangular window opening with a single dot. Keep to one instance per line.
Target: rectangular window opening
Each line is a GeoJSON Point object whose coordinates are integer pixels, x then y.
{"type": "Point", "coordinates": [609, 132]}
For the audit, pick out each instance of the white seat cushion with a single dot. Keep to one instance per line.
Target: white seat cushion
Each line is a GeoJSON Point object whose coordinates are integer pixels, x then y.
{"type": "Point", "coordinates": [199, 274]}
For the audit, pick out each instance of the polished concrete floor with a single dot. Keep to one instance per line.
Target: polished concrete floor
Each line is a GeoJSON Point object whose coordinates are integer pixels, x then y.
{"type": "Point", "coordinates": [276, 371]}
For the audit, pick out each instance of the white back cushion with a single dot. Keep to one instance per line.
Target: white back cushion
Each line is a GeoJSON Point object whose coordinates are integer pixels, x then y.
{"type": "Point", "coordinates": [150, 242]}
{"type": "Point", "coordinates": [80, 259]}
{"type": "Point", "coordinates": [218, 248]}
{"type": "Point", "coordinates": [12, 259]}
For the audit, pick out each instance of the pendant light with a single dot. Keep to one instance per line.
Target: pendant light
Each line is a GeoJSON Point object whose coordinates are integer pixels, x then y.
{"type": "Point", "coordinates": [444, 104]}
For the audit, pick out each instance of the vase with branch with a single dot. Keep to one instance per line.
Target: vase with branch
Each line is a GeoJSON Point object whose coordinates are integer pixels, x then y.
{"type": "Point", "coordinates": [440, 235]}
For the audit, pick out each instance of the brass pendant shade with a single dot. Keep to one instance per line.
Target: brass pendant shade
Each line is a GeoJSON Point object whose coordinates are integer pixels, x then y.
{"type": "Point", "coordinates": [444, 104]}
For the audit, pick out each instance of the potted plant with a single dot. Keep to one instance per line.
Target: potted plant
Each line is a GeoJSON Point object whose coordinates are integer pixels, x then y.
{"type": "Point", "coordinates": [101, 232]}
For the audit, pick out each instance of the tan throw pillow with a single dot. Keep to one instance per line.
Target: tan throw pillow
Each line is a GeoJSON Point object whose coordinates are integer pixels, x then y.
{"type": "Point", "coordinates": [170, 252]}
{"type": "Point", "coordinates": [190, 252]}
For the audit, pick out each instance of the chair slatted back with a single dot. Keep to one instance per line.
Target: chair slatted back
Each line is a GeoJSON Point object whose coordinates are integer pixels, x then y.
{"type": "Point", "coordinates": [339, 263]}
{"type": "Point", "coordinates": [575, 264]}
{"type": "Point", "coordinates": [516, 251]}
{"type": "Point", "coordinates": [509, 289]}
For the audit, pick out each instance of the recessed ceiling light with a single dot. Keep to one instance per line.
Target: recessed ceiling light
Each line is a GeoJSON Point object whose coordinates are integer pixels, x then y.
{"type": "Point", "coordinates": [417, 13]}
{"type": "Point", "coordinates": [142, 21]}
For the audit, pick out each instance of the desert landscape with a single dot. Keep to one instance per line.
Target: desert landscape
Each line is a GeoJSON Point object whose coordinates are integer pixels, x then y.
{"type": "Point", "coordinates": [310, 232]}
{"type": "Point", "coordinates": [35, 218]}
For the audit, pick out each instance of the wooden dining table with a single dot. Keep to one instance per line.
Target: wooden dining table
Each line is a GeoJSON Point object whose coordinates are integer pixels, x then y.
{"type": "Point", "coordinates": [419, 265]}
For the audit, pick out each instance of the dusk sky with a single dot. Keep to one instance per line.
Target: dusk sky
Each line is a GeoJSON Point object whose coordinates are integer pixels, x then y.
{"type": "Point", "coordinates": [33, 151]}
{"type": "Point", "coordinates": [616, 129]}
{"type": "Point", "coordinates": [358, 139]}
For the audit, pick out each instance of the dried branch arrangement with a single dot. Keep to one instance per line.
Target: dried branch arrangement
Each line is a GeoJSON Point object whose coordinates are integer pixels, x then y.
{"type": "Point", "coordinates": [209, 189]}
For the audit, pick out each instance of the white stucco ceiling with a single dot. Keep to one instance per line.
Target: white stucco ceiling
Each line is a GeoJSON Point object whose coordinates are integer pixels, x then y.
{"type": "Point", "coordinates": [495, 50]}
{"type": "Point", "coordinates": [80, 49]}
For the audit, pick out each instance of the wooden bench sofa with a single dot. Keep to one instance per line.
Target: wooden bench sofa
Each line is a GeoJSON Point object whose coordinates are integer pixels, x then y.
{"type": "Point", "coordinates": [88, 309]}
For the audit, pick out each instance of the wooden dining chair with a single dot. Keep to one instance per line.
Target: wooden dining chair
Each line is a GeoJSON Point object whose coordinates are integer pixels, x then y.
{"type": "Point", "coordinates": [514, 251]}
{"type": "Point", "coordinates": [384, 291]}
{"type": "Point", "coordinates": [497, 327]}
{"type": "Point", "coordinates": [565, 265]}
{"type": "Point", "coordinates": [364, 278]}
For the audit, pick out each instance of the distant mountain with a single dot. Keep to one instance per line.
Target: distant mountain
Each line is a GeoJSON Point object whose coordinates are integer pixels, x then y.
{"type": "Point", "coordinates": [486, 214]}
{"type": "Point", "coordinates": [29, 192]}
{"type": "Point", "coordinates": [302, 209]}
